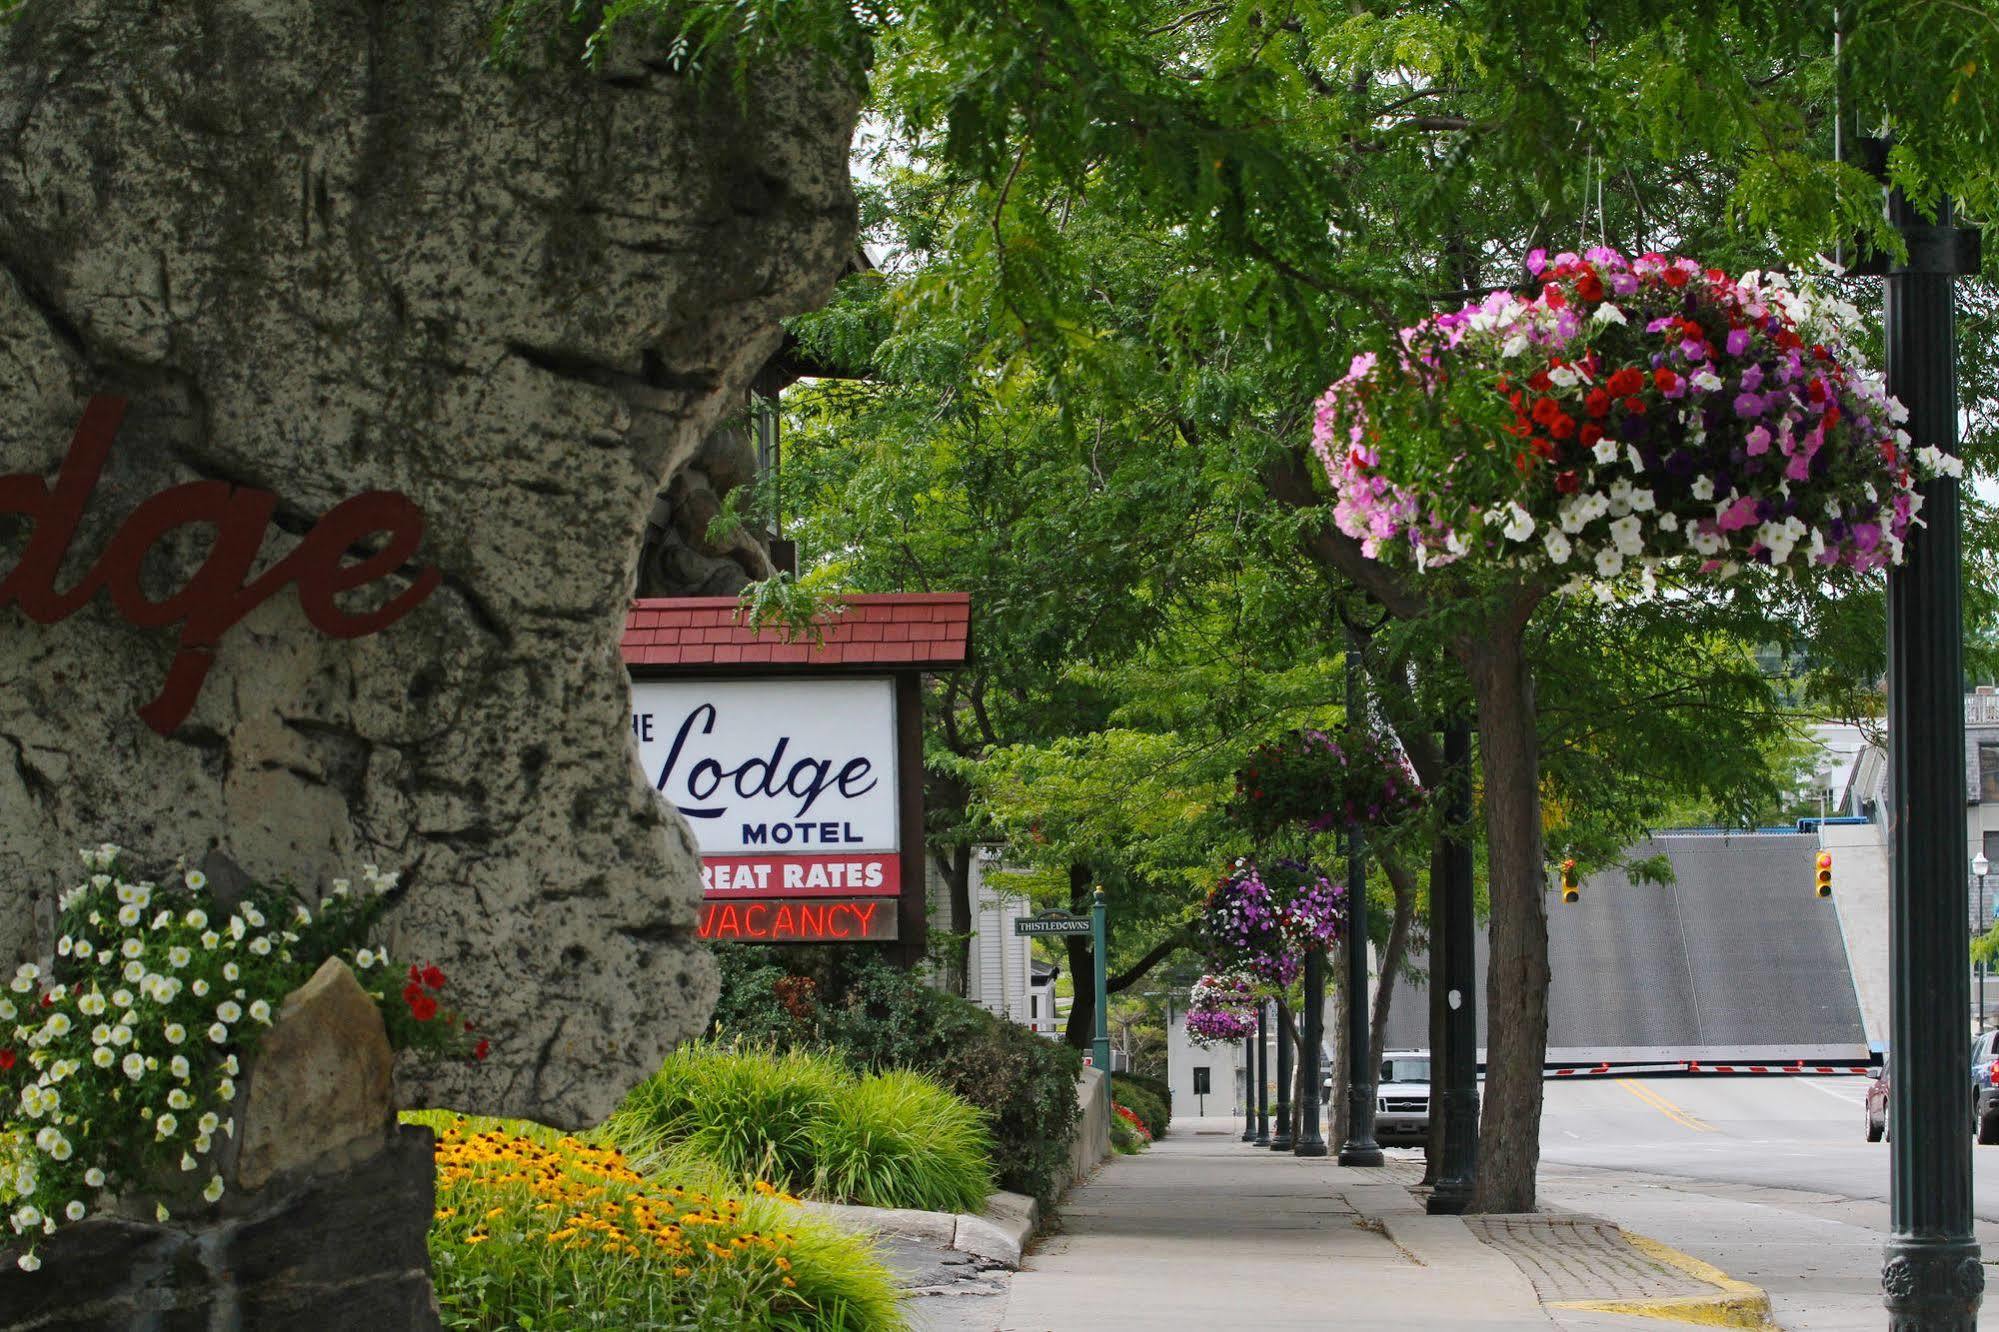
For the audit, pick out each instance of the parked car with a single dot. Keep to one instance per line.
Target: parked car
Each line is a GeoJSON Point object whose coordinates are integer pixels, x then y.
{"type": "Point", "coordinates": [1984, 1090]}
{"type": "Point", "coordinates": [1402, 1098]}
{"type": "Point", "coordinates": [1877, 1102]}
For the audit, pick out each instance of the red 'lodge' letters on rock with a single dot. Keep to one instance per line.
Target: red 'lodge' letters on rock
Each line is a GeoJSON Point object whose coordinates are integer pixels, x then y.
{"type": "Point", "coordinates": [221, 591]}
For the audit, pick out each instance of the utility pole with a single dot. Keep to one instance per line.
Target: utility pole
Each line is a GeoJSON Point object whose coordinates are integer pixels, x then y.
{"type": "Point", "coordinates": [1932, 1280]}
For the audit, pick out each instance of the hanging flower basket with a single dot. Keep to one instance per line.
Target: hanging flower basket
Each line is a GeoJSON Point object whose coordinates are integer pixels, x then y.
{"type": "Point", "coordinates": [1317, 780]}
{"type": "Point", "coordinates": [1262, 920]}
{"type": "Point", "coordinates": [1633, 416]}
{"type": "Point", "coordinates": [1243, 927]}
{"type": "Point", "coordinates": [1313, 917]}
{"type": "Point", "coordinates": [1223, 1009]}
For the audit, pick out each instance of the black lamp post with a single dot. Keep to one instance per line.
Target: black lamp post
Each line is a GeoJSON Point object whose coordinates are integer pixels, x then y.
{"type": "Point", "coordinates": [1454, 1057]}
{"type": "Point", "coordinates": [1360, 1148]}
{"type": "Point", "coordinates": [1932, 1279]}
{"type": "Point", "coordinates": [1283, 1140]}
{"type": "Point", "coordinates": [1312, 1142]}
{"type": "Point", "coordinates": [1262, 1138]}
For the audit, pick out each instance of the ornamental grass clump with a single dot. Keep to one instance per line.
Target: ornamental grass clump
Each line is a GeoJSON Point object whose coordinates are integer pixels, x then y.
{"type": "Point", "coordinates": [804, 1121]}
{"type": "Point", "coordinates": [750, 1110]}
{"type": "Point", "coordinates": [119, 1068]}
{"type": "Point", "coordinates": [535, 1229]}
{"type": "Point", "coordinates": [897, 1139]}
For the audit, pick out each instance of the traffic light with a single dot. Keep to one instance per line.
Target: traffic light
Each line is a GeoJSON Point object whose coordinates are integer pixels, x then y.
{"type": "Point", "coordinates": [1825, 874]}
{"type": "Point", "coordinates": [1571, 888]}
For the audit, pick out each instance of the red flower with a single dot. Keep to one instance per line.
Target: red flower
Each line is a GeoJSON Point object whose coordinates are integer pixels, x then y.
{"type": "Point", "coordinates": [423, 1008]}
{"type": "Point", "coordinates": [479, 1050]}
{"type": "Point", "coordinates": [1888, 455]}
{"type": "Point", "coordinates": [416, 974]}
{"type": "Point", "coordinates": [1589, 286]}
{"type": "Point", "coordinates": [1831, 416]}
{"type": "Point", "coordinates": [1590, 434]}
{"type": "Point", "coordinates": [1568, 483]}
{"type": "Point", "coordinates": [1665, 379]}
{"type": "Point", "coordinates": [1562, 426]}
{"type": "Point", "coordinates": [6, 1060]}
{"type": "Point", "coordinates": [48, 999]}
{"type": "Point", "coordinates": [1634, 405]}
{"type": "Point", "coordinates": [1546, 410]}
{"type": "Point", "coordinates": [433, 978]}
{"type": "Point", "coordinates": [1539, 381]}
{"type": "Point", "coordinates": [1675, 277]}
{"type": "Point", "coordinates": [1597, 403]}
{"type": "Point", "coordinates": [1787, 339]}
{"type": "Point", "coordinates": [412, 992]}
{"type": "Point", "coordinates": [1552, 294]}
{"type": "Point", "coordinates": [1523, 461]}
{"type": "Point", "coordinates": [1625, 382]}
{"type": "Point", "coordinates": [1543, 448]}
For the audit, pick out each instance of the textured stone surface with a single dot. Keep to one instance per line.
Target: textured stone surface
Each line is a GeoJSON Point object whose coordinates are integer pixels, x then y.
{"type": "Point", "coordinates": [344, 1254]}
{"type": "Point", "coordinates": [319, 1086]}
{"type": "Point", "coordinates": [683, 557]}
{"type": "Point", "coordinates": [324, 247]}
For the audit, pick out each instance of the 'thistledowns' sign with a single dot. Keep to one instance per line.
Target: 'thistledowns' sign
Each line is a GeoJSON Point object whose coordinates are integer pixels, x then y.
{"type": "Point", "coordinates": [789, 785]}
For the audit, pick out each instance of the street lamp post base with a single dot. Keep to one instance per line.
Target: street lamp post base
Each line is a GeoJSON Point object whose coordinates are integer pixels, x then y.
{"type": "Point", "coordinates": [1361, 1154]}
{"type": "Point", "coordinates": [1309, 1148]}
{"type": "Point", "coordinates": [1283, 1142]}
{"type": "Point", "coordinates": [1932, 1285]}
{"type": "Point", "coordinates": [1449, 1198]}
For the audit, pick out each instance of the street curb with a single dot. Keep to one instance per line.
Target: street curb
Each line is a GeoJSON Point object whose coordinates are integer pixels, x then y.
{"type": "Point", "coordinates": [1736, 1303]}
{"type": "Point", "coordinates": [998, 1234]}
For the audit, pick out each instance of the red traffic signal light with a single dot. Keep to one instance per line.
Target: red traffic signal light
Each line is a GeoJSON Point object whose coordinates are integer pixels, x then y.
{"type": "Point", "coordinates": [1824, 874]}
{"type": "Point", "coordinates": [1571, 888]}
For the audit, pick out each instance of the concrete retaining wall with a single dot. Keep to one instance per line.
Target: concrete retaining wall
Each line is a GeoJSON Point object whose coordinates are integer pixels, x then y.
{"type": "Point", "coordinates": [1092, 1140]}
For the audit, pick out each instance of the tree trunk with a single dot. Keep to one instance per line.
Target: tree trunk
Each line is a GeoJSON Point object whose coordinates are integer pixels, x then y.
{"type": "Point", "coordinates": [1517, 979]}
{"type": "Point", "coordinates": [958, 879]}
{"type": "Point", "coordinates": [1395, 950]}
{"type": "Point", "coordinates": [1336, 971]}
{"type": "Point", "coordinates": [1082, 963]}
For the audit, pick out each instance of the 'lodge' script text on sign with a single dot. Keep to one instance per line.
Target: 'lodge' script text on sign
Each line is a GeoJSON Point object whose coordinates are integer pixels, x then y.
{"type": "Point", "coordinates": [221, 592]}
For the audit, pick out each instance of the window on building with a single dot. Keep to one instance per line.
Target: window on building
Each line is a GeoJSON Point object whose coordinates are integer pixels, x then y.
{"type": "Point", "coordinates": [1988, 770]}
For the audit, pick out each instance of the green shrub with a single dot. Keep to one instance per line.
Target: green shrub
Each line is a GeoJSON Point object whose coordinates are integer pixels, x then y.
{"type": "Point", "coordinates": [751, 1111]}
{"type": "Point", "coordinates": [801, 1120]}
{"type": "Point", "coordinates": [897, 1139]}
{"type": "Point", "coordinates": [1124, 1139]}
{"type": "Point", "coordinates": [536, 1229]}
{"type": "Point", "coordinates": [880, 1017]}
{"type": "Point", "coordinates": [1162, 1092]}
{"type": "Point", "coordinates": [1141, 1102]}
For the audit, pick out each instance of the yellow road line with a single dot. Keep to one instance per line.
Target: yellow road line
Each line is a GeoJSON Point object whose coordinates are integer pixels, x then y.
{"type": "Point", "coordinates": [1664, 1106]}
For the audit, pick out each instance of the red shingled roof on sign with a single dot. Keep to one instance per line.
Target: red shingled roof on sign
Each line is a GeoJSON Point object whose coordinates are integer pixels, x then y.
{"type": "Point", "coordinates": [905, 630]}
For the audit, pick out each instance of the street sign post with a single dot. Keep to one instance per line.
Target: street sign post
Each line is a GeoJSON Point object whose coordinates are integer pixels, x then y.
{"type": "Point", "coordinates": [1052, 922]}
{"type": "Point", "coordinates": [1057, 922]}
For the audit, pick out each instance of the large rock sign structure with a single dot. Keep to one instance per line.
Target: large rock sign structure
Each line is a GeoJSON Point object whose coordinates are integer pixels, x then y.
{"type": "Point", "coordinates": [323, 247]}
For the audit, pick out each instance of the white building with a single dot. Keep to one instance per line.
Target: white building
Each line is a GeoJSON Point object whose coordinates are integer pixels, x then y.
{"type": "Point", "coordinates": [1002, 975]}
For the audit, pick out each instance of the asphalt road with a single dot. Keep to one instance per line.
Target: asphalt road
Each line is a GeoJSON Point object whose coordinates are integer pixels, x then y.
{"type": "Point", "coordinates": [1770, 1179]}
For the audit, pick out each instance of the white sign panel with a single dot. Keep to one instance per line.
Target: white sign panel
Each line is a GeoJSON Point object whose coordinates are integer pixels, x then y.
{"type": "Point", "coordinates": [774, 767]}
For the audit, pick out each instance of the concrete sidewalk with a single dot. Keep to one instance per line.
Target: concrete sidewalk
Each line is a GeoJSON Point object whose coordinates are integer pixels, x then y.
{"type": "Point", "coordinates": [1204, 1232]}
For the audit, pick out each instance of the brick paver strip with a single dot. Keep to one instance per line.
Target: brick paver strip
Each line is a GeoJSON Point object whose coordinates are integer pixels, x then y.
{"type": "Point", "coordinates": [1582, 1258]}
